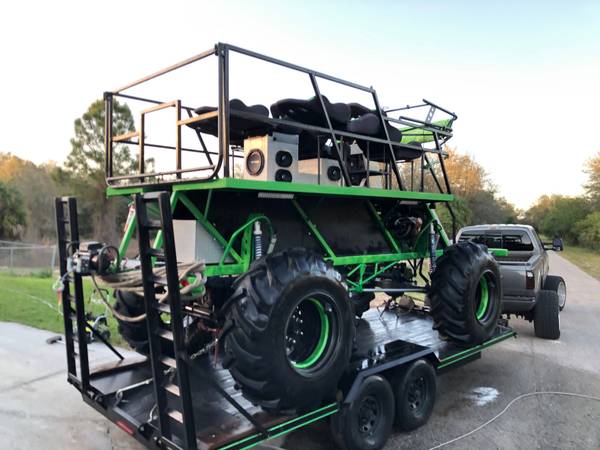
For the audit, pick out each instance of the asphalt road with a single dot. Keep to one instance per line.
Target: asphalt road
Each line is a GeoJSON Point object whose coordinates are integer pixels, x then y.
{"type": "Point", "coordinates": [38, 409]}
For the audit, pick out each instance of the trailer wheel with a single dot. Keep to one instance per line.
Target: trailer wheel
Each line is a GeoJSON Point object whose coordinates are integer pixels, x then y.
{"type": "Point", "coordinates": [288, 332]}
{"type": "Point", "coordinates": [546, 317]}
{"type": "Point", "coordinates": [366, 424]}
{"type": "Point", "coordinates": [466, 293]}
{"type": "Point", "coordinates": [558, 285]}
{"type": "Point", "coordinates": [415, 391]}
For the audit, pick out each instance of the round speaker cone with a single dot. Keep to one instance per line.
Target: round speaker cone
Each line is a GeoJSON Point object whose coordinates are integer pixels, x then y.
{"type": "Point", "coordinates": [283, 158]}
{"type": "Point", "coordinates": [255, 162]}
{"type": "Point", "coordinates": [283, 175]}
{"type": "Point", "coordinates": [334, 173]}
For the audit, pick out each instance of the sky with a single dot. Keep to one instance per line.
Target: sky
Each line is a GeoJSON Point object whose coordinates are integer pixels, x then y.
{"type": "Point", "coordinates": [523, 76]}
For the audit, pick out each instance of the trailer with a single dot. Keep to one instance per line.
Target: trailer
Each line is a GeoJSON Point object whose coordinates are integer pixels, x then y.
{"type": "Point", "coordinates": [390, 381]}
{"type": "Point", "coordinates": [259, 254]}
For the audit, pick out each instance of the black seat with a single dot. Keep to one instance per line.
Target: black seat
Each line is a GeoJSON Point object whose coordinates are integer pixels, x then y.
{"type": "Point", "coordinates": [366, 121]}
{"type": "Point", "coordinates": [239, 128]}
{"type": "Point", "coordinates": [310, 112]}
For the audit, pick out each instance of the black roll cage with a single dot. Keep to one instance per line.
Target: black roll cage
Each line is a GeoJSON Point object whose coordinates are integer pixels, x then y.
{"type": "Point", "coordinates": [226, 154]}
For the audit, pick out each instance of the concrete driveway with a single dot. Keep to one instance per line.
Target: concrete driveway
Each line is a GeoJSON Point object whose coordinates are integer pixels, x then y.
{"type": "Point", "coordinates": [38, 409]}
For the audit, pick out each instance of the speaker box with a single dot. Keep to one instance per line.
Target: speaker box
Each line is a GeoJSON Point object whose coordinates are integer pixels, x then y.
{"type": "Point", "coordinates": [271, 158]}
{"type": "Point", "coordinates": [325, 172]}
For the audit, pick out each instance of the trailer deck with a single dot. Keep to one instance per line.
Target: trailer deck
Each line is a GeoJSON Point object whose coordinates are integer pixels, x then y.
{"type": "Point", "coordinates": [385, 340]}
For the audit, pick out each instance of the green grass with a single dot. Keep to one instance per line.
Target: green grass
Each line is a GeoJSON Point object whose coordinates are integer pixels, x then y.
{"type": "Point", "coordinates": [587, 260]}
{"type": "Point", "coordinates": [30, 300]}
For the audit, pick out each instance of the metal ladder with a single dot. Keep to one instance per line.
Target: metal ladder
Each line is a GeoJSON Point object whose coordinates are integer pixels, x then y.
{"type": "Point", "coordinates": [72, 303]}
{"type": "Point", "coordinates": [170, 373]}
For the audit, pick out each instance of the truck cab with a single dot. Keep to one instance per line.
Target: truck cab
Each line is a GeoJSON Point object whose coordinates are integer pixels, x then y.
{"type": "Point", "coordinates": [524, 268]}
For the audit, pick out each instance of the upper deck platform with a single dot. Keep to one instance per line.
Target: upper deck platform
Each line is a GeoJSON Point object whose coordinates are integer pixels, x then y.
{"type": "Point", "coordinates": [304, 145]}
{"type": "Point", "coordinates": [287, 188]}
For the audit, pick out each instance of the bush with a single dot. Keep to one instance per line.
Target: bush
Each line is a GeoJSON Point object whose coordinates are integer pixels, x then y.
{"type": "Point", "coordinates": [588, 231]}
{"type": "Point", "coordinates": [561, 217]}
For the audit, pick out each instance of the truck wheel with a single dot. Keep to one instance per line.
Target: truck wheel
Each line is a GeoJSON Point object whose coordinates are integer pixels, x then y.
{"type": "Point", "coordinates": [415, 393]}
{"type": "Point", "coordinates": [546, 318]}
{"type": "Point", "coordinates": [366, 424]}
{"type": "Point", "coordinates": [558, 285]}
{"type": "Point", "coordinates": [288, 331]}
{"type": "Point", "coordinates": [466, 293]}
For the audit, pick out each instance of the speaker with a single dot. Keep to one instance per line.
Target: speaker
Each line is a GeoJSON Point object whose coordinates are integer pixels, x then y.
{"type": "Point", "coordinates": [271, 158]}
{"type": "Point", "coordinates": [326, 172]}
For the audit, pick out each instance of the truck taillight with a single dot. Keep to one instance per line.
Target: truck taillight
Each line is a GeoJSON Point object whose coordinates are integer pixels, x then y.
{"type": "Point", "coordinates": [529, 280]}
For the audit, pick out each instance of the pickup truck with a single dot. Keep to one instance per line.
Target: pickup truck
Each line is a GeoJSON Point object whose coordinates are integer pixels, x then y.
{"type": "Point", "coordinates": [528, 290]}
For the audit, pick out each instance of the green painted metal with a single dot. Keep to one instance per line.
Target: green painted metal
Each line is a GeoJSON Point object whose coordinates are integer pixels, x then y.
{"type": "Point", "coordinates": [129, 229]}
{"type": "Point", "coordinates": [439, 227]}
{"type": "Point", "coordinates": [484, 299]}
{"type": "Point", "coordinates": [391, 241]}
{"type": "Point", "coordinates": [208, 202]}
{"type": "Point", "coordinates": [208, 226]}
{"type": "Point", "coordinates": [301, 188]}
{"type": "Point", "coordinates": [214, 270]}
{"type": "Point", "coordinates": [313, 228]}
{"type": "Point", "coordinates": [116, 191]}
{"type": "Point", "coordinates": [381, 258]}
{"type": "Point", "coordinates": [303, 420]}
{"type": "Point", "coordinates": [323, 339]}
{"type": "Point", "coordinates": [473, 350]}
{"type": "Point", "coordinates": [237, 232]}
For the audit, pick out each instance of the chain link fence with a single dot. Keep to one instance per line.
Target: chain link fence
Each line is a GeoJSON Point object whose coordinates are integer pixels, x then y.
{"type": "Point", "coordinates": [21, 257]}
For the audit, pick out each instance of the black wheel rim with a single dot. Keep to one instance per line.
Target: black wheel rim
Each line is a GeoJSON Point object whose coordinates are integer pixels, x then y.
{"type": "Point", "coordinates": [369, 416]}
{"type": "Point", "coordinates": [310, 333]}
{"type": "Point", "coordinates": [417, 394]}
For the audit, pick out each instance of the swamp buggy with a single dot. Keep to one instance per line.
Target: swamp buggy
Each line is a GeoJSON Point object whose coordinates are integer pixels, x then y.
{"type": "Point", "coordinates": [249, 300]}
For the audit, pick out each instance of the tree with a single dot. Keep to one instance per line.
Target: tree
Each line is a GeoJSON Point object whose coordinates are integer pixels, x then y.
{"type": "Point", "coordinates": [562, 216]}
{"type": "Point", "coordinates": [37, 190]}
{"type": "Point", "coordinates": [462, 213]}
{"type": "Point", "coordinates": [592, 187]}
{"type": "Point", "coordinates": [85, 163]}
{"type": "Point", "coordinates": [588, 231]}
{"type": "Point", "coordinates": [12, 213]}
{"type": "Point", "coordinates": [466, 176]}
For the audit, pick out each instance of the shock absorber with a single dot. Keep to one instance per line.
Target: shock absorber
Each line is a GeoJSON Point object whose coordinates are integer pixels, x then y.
{"type": "Point", "coordinates": [257, 238]}
{"type": "Point", "coordinates": [432, 247]}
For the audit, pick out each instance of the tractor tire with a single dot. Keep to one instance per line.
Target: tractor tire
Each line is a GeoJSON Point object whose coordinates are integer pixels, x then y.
{"type": "Point", "coordinates": [546, 317]}
{"type": "Point", "coordinates": [288, 333]}
{"type": "Point", "coordinates": [134, 333]}
{"type": "Point", "coordinates": [466, 294]}
{"type": "Point", "coordinates": [558, 285]}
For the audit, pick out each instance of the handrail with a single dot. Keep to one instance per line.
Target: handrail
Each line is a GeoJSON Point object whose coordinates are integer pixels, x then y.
{"type": "Point", "coordinates": [223, 114]}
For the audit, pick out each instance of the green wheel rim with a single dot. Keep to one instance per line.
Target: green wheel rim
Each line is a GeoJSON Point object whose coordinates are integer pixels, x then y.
{"type": "Point", "coordinates": [316, 354]}
{"type": "Point", "coordinates": [484, 299]}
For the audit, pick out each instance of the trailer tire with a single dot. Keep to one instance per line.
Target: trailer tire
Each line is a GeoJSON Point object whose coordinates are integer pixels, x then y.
{"type": "Point", "coordinates": [558, 285]}
{"type": "Point", "coordinates": [546, 317]}
{"type": "Point", "coordinates": [466, 294]}
{"type": "Point", "coordinates": [367, 422]}
{"type": "Point", "coordinates": [415, 389]}
{"type": "Point", "coordinates": [288, 333]}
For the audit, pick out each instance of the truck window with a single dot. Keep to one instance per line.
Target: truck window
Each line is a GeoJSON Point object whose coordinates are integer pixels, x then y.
{"type": "Point", "coordinates": [488, 239]}
{"type": "Point", "coordinates": [517, 241]}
